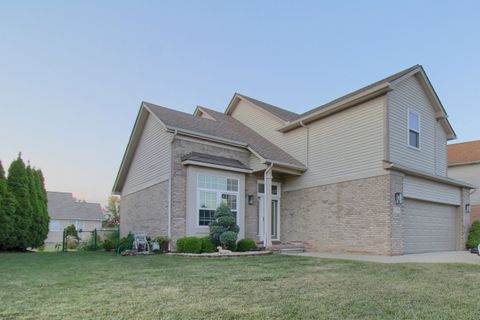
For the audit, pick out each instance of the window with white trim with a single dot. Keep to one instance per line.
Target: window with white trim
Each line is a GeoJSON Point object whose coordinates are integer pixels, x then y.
{"type": "Point", "coordinates": [213, 190]}
{"type": "Point", "coordinates": [54, 225]}
{"type": "Point", "coordinates": [413, 129]}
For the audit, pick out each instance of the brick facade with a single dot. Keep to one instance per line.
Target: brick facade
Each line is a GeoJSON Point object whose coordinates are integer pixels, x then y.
{"type": "Point", "coordinates": [351, 216]}
{"type": "Point", "coordinates": [146, 210]}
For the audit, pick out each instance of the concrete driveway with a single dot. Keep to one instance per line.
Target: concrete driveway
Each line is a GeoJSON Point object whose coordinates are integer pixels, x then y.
{"type": "Point", "coordinates": [433, 257]}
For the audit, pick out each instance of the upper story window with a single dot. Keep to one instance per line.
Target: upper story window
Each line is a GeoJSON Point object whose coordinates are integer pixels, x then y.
{"type": "Point", "coordinates": [414, 129]}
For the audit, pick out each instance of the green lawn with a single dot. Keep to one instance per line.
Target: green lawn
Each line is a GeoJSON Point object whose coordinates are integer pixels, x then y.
{"type": "Point", "coordinates": [79, 285]}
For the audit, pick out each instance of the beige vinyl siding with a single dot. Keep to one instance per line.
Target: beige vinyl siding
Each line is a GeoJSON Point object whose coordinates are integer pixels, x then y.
{"type": "Point", "coordinates": [431, 157]}
{"type": "Point", "coordinates": [469, 173]}
{"type": "Point", "coordinates": [417, 188]}
{"type": "Point", "coordinates": [151, 160]}
{"type": "Point", "coordinates": [259, 120]}
{"type": "Point", "coordinates": [345, 146]}
{"type": "Point", "coordinates": [255, 162]}
{"type": "Point", "coordinates": [441, 161]}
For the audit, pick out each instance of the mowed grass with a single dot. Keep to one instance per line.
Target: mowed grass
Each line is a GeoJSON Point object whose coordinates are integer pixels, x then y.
{"type": "Point", "coordinates": [103, 286]}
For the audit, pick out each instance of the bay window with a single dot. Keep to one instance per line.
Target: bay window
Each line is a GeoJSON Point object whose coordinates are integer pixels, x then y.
{"type": "Point", "coordinates": [213, 190]}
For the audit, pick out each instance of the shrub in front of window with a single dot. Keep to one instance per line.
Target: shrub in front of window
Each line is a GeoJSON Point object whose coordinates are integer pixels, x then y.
{"type": "Point", "coordinates": [189, 245]}
{"type": "Point", "coordinates": [246, 245]}
{"type": "Point", "coordinates": [474, 235]}
{"type": "Point", "coordinates": [228, 240]}
{"type": "Point", "coordinates": [224, 222]}
{"type": "Point", "coordinates": [207, 245]}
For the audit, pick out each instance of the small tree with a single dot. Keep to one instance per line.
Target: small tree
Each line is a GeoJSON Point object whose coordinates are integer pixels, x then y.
{"type": "Point", "coordinates": [42, 202]}
{"type": "Point", "coordinates": [113, 207]}
{"type": "Point", "coordinates": [225, 225]}
{"type": "Point", "coordinates": [7, 210]}
{"type": "Point", "coordinates": [71, 231]}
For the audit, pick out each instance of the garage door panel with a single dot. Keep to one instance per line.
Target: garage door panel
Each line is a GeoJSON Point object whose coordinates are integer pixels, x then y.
{"type": "Point", "coordinates": [428, 226]}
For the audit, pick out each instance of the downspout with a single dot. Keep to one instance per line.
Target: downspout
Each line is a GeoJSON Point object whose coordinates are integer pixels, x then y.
{"type": "Point", "coordinates": [308, 142]}
{"type": "Point", "coordinates": [267, 241]}
{"type": "Point", "coordinates": [169, 227]}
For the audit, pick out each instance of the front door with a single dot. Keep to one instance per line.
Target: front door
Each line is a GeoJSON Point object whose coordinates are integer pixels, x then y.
{"type": "Point", "coordinates": [275, 217]}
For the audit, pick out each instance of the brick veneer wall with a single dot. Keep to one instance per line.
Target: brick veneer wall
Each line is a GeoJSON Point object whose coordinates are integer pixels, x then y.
{"type": "Point", "coordinates": [146, 210]}
{"type": "Point", "coordinates": [351, 216]}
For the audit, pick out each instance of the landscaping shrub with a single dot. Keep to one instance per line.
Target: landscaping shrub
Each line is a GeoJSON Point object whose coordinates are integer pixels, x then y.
{"type": "Point", "coordinates": [474, 235]}
{"type": "Point", "coordinates": [90, 244]}
{"type": "Point", "coordinates": [126, 243]}
{"type": "Point", "coordinates": [207, 245]}
{"type": "Point", "coordinates": [224, 223]}
{"type": "Point", "coordinates": [189, 245]}
{"type": "Point", "coordinates": [246, 245]}
{"type": "Point", "coordinates": [71, 231]}
{"type": "Point", "coordinates": [228, 240]}
{"type": "Point", "coordinates": [112, 240]}
{"type": "Point", "coordinates": [163, 242]}
{"type": "Point", "coordinates": [72, 242]}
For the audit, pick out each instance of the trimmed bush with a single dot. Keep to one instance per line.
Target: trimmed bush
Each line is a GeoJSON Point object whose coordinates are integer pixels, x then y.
{"type": "Point", "coordinates": [224, 223]}
{"type": "Point", "coordinates": [71, 231]}
{"type": "Point", "coordinates": [189, 245]}
{"type": "Point", "coordinates": [474, 235]}
{"type": "Point", "coordinates": [207, 245]}
{"type": "Point", "coordinates": [228, 240]}
{"type": "Point", "coordinates": [246, 245]}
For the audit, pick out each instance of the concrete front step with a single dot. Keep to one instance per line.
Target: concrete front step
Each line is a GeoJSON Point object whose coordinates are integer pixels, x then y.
{"type": "Point", "coordinates": [287, 247]}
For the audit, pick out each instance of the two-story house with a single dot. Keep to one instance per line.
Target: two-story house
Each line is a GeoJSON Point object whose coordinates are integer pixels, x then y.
{"type": "Point", "coordinates": [364, 173]}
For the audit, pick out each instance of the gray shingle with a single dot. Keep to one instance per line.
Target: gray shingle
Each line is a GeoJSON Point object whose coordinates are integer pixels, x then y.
{"type": "Point", "coordinates": [225, 127]}
{"type": "Point", "coordinates": [208, 158]}
{"type": "Point", "coordinates": [62, 205]}
{"type": "Point", "coordinates": [281, 113]}
{"type": "Point", "coordinates": [388, 79]}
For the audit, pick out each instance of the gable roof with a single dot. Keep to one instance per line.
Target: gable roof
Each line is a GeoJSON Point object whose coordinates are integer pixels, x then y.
{"type": "Point", "coordinates": [464, 153]}
{"type": "Point", "coordinates": [224, 129]}
{"type": "Point", "coordinates": [63, 206]}
{"type": "Point", "coordinates": [372, 91]}
{"type": "Point", "coordinates": [279, 113]}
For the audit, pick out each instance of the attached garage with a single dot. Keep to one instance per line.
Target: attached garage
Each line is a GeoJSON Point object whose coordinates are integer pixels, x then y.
{"type": "Point", "coordinates": [429, 226]}
{"type": "Point", "coordinates": [430, 216]}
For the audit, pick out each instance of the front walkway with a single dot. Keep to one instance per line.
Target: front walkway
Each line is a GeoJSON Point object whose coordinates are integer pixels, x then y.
{"type": "Point", "coordinates": [433, 257]}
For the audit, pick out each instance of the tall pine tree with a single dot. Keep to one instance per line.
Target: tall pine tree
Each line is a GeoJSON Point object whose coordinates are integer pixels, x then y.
{"type": "Point", "coordinates": [36, 222]}
{"type": "Point", "coordinates": [17, 182]}
{"type": "Point", "coordinates": [7, 211]}
{"type": "Point", "coordinates": [42, 202]}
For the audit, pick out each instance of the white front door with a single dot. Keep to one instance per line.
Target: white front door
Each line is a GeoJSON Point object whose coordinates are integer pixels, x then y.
{"type": "Point", "coordinates": [275, 212]}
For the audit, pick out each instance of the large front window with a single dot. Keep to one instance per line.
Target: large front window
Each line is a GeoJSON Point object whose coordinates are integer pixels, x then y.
{"type": "Point", "coordinates": [213, 190]}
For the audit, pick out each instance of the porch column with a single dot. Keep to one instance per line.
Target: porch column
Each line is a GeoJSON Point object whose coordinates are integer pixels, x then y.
{"type": "Point", "coordinates": [267, 241]}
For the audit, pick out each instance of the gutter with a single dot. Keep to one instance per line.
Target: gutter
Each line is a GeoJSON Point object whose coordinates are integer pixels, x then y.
{"type": "Point", "coordinates": [428, 176]}
{"type": "Point", "coordinates": [207, 137]}
{"type": "Point", "coordinates": [169, 227]}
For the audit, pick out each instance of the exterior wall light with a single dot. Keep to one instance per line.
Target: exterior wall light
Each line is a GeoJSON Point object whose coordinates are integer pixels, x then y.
{"type": "Point", "coordinates": [250, 199]}
{"type": "Point", "coordinates": [468, 208]}
{"type": "Point", "coordinates": [398, 198]}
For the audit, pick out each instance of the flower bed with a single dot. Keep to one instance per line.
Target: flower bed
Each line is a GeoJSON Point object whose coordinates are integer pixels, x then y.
{"type": "Point", "coordinates": [221, 255]}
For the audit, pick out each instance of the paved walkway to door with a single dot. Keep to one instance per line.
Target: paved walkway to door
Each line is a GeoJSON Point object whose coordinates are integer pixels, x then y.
{"type": "Point", "coordinates": [433, 257]}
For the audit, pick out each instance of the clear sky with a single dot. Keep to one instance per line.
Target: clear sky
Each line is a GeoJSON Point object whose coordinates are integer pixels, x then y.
{"type": "Point", "coordinates": [73, 73]}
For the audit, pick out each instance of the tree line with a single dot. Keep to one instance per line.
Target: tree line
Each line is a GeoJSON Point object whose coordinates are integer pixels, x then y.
{"type": "Point", "coordinates": [23, 207]}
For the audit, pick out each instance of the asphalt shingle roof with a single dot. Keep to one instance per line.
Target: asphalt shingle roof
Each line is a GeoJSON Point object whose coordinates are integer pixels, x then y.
{"type": "Point", "coordinates": [465, 152]}
{"type": "Point", "coordinates": [281, 113]}
{"type": "Point", "coordinates": [224, 126]}
{"type": "Point", "coordinates": [208, 158]}
{"type": "Point", "coordinates": [62, 205]}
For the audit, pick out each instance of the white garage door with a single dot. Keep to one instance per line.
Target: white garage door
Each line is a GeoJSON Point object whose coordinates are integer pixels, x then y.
{"type": "Point", "coordinates": [428, 226]}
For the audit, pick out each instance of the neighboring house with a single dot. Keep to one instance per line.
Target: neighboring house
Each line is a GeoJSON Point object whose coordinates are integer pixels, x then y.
{"type": "Point", "coordinates": [65, 210]}
{"type": "Point", "coordinates": [364, 173]}
{"type": "Point", "coordinates": [464, 164]}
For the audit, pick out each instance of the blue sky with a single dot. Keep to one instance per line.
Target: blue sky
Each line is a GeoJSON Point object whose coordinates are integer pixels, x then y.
{"type": "Point", "coordinates": [73, 74]}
